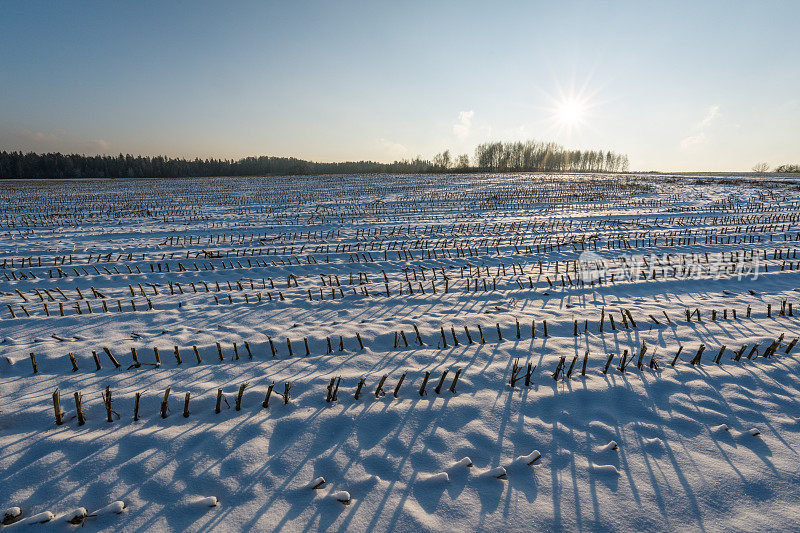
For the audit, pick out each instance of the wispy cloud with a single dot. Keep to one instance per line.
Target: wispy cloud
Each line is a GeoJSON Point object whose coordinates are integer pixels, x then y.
{"type": "Point", "coordinates": [462, 128]}
{"type": "Point", "coordinates": [46, 141]}
{"type": "Point", "coordinates": [394, 149]}
{"type": "Point", "coordinates": [693, 140]}
{"type": "Point", "coordinates": [700, 137]}
{"type": "Point", "coordinates": [713, 112]}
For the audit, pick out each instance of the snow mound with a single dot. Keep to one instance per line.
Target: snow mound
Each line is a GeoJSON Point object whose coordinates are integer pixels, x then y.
{"type": "Point", "coordinates": [655, 441]}
{"type": "Point", "coordinates": [341, 496]}
{"type": "Point", "coordinates": [439, 477]}
{"type": "Point", "coordinates": [611, 446]}
{"type": "Point", "coordinates": [752, 432]}
{"type": "Point", "coordinates": [204, 501]}
{"type": "Point", "coordinates": [530, 458]}
{"type": "Point", "coordinates": [317, 483]}
{"type": "Point", "coordinates": [116, 507]}
{"type": "Point", "coordinates": [11, 515]}
{"type": "Point", "coordinates": [39, 518]}
{"type": "Point", "coordinates": [465, 462]}
{"type": "Point", "coordinates": [498, 473]}
{"type": "Point", "coordinates": [604, 469]}
{"type": "Point", "coordinates": [76, 516]}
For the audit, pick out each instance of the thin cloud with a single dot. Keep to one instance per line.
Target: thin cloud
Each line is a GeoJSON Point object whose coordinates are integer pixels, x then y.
{"type": "Point", "coordinates": [462, 128]}
{"type": "Point", "coordinates": [700, 137]}
{"type": "Point", "coordinates": [713, 112]}
{"type": "Point", "coordinates": [36, 136]}
{"type": "Point", "coordinates": [53, 141]}
{"type": "Point", "coordinates": [694, 140]}
{"type": "Point", "coordinates": [393, 148]}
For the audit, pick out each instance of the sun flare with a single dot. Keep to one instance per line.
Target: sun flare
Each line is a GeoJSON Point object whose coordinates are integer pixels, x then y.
{"type": "Point", "coordinates": [570, 112]}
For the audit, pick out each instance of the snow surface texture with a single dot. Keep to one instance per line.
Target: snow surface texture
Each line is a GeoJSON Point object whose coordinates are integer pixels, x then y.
{"type": "Point", "coordinates": [707, 446]}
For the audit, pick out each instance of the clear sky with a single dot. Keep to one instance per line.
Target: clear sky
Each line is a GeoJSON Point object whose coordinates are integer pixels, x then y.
{"type": "Point", "coordinates": [675, 85]}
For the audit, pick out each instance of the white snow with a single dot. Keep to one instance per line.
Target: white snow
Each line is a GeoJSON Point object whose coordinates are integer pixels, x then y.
{"type": "Point", "coordinates": [206, 501]}
{"type": "Point", "coordinates": [341, 496]}
{"type": "Point", "coordinates": [530, 458]}
{"type": "Point", "coordinates": [611, 446]}
{"type": "Point", "coordinates": [317, 483]}
{"type": "Point", "coordinates": [116, 507]}
{"type": "Point", "coordinates": [662, 447]}
{"type": "Point", "coordinates": [11, 514]}
{"type": "Point", "coordinates": [439, 477]}
{"type": "Point", "coordinates": [38, 518]}
{"type": "Point", "coordinates": [76, 515]}
{"type": "Point", "coordinates": [604, 469]}
{"type": "Point", "coordinates": [464, 462]}
{"type": "Point", "coordinates": [498, 472]}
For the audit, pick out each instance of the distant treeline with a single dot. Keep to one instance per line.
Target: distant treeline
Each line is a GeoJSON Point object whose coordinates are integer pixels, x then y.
{"type": "Point", "coordinates": [492, 157]}
{"type": "Point", "coordinates": [538, 156]}
{"type": "Point", "coordinates": [17, 165]}
{"type": "Point", "coordinates": [787, 168]}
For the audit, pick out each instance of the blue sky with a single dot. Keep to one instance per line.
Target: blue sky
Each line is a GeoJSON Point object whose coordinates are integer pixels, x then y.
{"type": "Point", "coordinates": [675, 85]}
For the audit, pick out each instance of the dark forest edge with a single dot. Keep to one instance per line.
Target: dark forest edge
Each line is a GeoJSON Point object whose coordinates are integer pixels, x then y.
{"type": "Point", "coordinates": [530, 156]}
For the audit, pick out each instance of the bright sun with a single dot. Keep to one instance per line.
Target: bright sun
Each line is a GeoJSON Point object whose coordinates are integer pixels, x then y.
{"type": "Point", "coordinates": [570, 112]}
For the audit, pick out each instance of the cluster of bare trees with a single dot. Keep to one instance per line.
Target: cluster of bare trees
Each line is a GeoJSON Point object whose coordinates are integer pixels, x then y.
{"type": "Point", "coordinates": [546, 156]}
{"type": "Point", "coordinates": [764, 167]}
{"type": "Point", "coordinates": [533, 156]}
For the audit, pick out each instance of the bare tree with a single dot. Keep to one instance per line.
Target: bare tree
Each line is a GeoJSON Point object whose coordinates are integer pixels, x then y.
{"type": "Point", "coordinates": [761, 167]}
{"type": "Point", "coordinates": [442, 160]}
{"type": "Point", "coordinates": [462, 161]}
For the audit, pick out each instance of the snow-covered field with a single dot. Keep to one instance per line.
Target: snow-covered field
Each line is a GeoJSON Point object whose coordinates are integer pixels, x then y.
{"type": "Point", "coordinates": [313, 284]}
